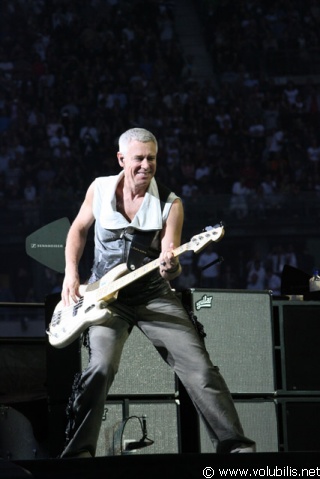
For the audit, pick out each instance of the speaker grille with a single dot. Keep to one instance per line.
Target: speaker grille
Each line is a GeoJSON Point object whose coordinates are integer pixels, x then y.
{"type": "Point", "coordinates": [142, 371]}
{"type": "Point", "coordinates": [162, 419]}
{"type": "Point", "coordinates": [238, 325]}
{"type": "Point", "coordinates": [259, 421]}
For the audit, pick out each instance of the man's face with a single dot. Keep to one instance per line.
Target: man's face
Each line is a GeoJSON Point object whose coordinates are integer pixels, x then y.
{"type": "Point", "coordinates": [139, 163]}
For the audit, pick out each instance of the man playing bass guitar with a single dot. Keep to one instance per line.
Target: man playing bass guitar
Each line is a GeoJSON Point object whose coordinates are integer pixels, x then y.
{"type": "Point", "coordinates": [134, 223]}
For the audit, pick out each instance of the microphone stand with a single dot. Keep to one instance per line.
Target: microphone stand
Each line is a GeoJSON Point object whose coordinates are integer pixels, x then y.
{"type": "Point", "coordinates": [215, 261]}
{"type": "Point", "coordinates": [143, 442]}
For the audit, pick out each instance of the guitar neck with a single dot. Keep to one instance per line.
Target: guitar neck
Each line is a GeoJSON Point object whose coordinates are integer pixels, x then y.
{"type": "Point", "coordinates": [197, 243]}
{"type": "Point", "coordinates": [109, 289]}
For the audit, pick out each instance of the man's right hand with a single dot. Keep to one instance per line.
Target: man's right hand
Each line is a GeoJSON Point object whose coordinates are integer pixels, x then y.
{"type": "Point", "coordinates": [70, 289]}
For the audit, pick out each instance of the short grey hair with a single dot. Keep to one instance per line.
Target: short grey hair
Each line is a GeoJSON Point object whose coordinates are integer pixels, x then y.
{"type": "Point", "coordinates": [135, 134]}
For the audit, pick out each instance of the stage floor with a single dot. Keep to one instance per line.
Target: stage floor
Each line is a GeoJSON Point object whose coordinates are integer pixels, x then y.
{"type": "Point", "coordinates": [168, 466]}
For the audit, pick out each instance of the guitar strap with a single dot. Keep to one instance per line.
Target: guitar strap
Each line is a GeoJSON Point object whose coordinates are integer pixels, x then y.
{"type": "Point", "coordinates": [142, 240]}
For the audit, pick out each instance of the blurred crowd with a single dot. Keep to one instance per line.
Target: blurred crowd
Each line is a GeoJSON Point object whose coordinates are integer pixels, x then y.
{"type": "Point", "coordinates": [74, 75]}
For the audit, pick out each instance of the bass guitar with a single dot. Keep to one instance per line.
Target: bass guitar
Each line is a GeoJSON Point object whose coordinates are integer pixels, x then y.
{"type": "Point", "coordinates": [68, 322]}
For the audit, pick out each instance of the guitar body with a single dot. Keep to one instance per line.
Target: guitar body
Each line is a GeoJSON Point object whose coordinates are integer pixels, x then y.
{"type": "Point", "coordinates": [68, 322]}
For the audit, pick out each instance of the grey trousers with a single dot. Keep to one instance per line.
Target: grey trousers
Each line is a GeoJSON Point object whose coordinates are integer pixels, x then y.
{"type": "Point", "coordinates": [168, 326]}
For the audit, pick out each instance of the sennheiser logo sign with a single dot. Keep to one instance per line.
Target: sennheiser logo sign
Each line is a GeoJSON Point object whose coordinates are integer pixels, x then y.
{"type": "Point", "coordinates": [47, 244]}
{"type": "Point", "coordinates": [36, 245]}
{"type": "Point", "coordinates": [204, 302]}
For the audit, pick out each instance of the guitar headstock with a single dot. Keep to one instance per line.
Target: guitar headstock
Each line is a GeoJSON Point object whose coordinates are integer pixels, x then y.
{"type": "Point", "coordinates": [200, 241]}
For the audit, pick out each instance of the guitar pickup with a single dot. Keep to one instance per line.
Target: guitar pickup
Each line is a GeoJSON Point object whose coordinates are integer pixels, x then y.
{"type": "Point", "coordinates": [89, 308]}
{"type": "Point", "coordinates": [56, 319]}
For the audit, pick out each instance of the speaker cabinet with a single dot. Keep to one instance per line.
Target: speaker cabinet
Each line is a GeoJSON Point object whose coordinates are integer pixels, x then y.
{"type": "Point", "coordinates": [301, 418]}
{"type": "Point", "coordinates": [122, 425]}
{"type": "Point", "coordinates": [142, 371]}
{"type": "Point", "coordinates": [239, 338]}
{"type": "Point", "coordinates": [259, 421]}
{"type": "Point", "coordinates": [300, 338]}
{"type": "Point", "coordinates": [22, 370]}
